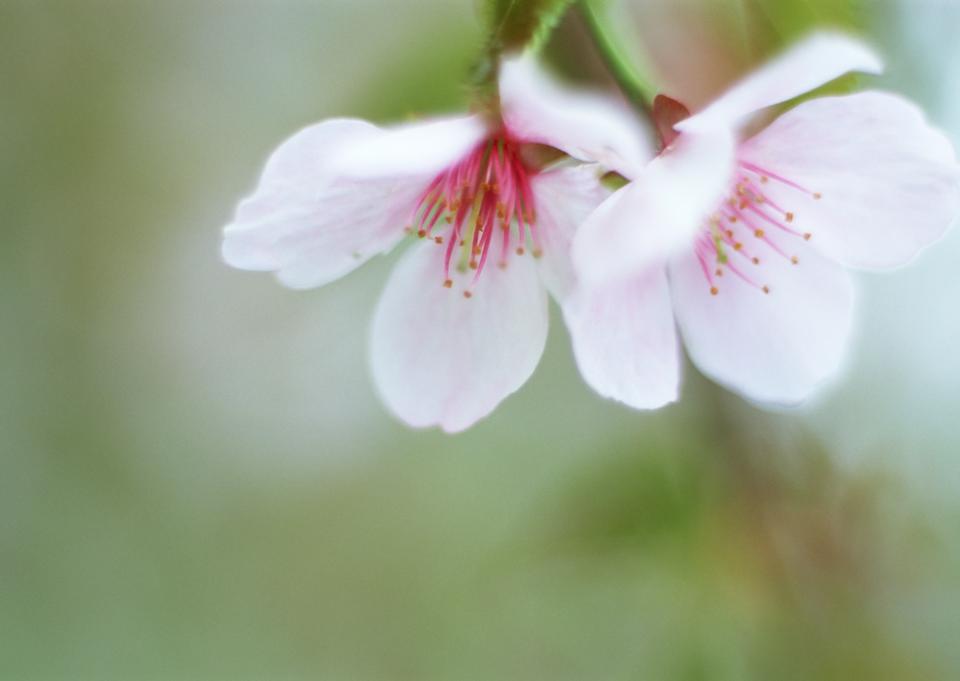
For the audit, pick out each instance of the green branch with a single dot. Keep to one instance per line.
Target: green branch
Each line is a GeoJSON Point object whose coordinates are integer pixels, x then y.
{"type": "Point", "coordinates": [635, 87]}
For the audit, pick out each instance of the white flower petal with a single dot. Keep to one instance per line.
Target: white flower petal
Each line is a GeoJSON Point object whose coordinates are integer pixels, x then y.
{"type": "Point", "coordinates": [774, 348]}
{"type": "Point", "coordinates": [625, 340]}
{"type": "Point", "coordinates": [564, 198]}
{"type": "Point", "coordinates": [308, 224]}
{"type": "Point", "coordinates": [659, 212]}
{"type": "Point", "coordinates": [813, 62]}
{"type": "Point", "coordinates": [422, 148]}
{"type": "Point", "coordinates": [440, 359]}
{"type": "Point", "coordinates": [587, 126]}
{"type": "Point", "coordinates": [890, 183]}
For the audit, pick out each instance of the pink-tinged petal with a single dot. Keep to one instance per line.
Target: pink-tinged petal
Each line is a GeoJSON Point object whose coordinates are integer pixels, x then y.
{"type": "Point", "coordinates": [441, 359]}
{"type": "Point", "coordinates": [588, 126]}
{"type": "Point", "coordinates": [564, 198]}
{"type": "Point", "coordinates": [659, 212]}
{"type": "Point", "coordinates": [889, 184]}
{"type": "Point", "coordinates": [774, 348]}
{"type": "Point", "coordinates": [813, 62]}
{"type": "Point", "coordinates": [310, 225]}
{"type": "Point", "coordinates": [625, 340]}
{"type": "Point", "coordinates": [422, 148]}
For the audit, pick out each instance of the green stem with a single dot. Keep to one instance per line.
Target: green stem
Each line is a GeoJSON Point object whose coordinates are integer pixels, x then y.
{"type": "Point", "coordinates": [635, 87]}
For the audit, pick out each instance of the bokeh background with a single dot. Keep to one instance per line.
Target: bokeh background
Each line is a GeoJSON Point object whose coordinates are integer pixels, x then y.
{"type": "Point", "coordinates": [197, 480]}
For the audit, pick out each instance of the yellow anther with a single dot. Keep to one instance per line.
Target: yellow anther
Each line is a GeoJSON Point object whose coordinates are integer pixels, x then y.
{"type": "Point", "coordinates": [759, 234]}
{"type": "Point", "coordinates": [714, 291]}
{"type": "Point", "coordinates": [448, 283]}
{"type": "Point", "coordinates": [790, 217]}
{"type": "Point", "coordinates": [795, 260]}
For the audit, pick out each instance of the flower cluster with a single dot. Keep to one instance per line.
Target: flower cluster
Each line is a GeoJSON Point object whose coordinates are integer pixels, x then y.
{"type": "Point", "coordinates": [740, 243]}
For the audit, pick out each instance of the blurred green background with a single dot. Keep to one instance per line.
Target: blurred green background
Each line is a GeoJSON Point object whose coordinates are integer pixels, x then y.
{"type": "Point", "coordinates": [198, 482]}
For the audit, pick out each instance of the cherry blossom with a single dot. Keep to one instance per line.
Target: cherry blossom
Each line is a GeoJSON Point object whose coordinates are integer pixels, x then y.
{"type": "Point", "coordinates": [463, 320]}
{"type": "Point", "coordinates": [755, 233]}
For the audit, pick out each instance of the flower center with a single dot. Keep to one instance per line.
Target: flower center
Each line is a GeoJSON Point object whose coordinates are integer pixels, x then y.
{"type": "Point", "coordinates": [481, 206]}
{"type": "Point", "coordinates": [749, 227]}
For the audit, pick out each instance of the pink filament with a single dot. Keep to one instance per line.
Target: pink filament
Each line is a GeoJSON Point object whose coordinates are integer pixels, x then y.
{"type": "Point", "coordinates": [481, 197]}
{"type": "Point", "coordinates": [746, 210]}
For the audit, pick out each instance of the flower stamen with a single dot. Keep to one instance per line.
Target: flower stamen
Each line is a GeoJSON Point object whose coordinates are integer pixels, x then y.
{"type": "Point", "coordinates": [484, 195]}
{"type": "Point", "coordinates": [748, 209]}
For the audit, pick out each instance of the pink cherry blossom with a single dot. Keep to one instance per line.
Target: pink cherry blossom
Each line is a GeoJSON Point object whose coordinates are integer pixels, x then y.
{"type": "Point", "coordinates": [754, 235]}
{"type": "Point", "coordinates": [463, 319]}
